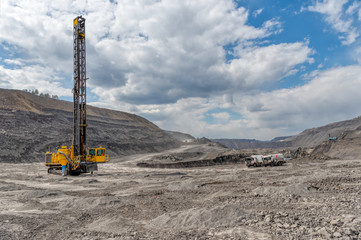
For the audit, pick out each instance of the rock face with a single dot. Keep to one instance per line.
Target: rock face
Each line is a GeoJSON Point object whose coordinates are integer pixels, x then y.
{"type": "Point", "coordinates": [309, 138]}
{"type": "Point", "coordinates": [346, 147]}
{"type": "Point", "coordinates": [315, 136]}
{"type": "Point", "coordinates": [253, 143]}
{"type": "Point", "coordinates": [183, 137]}
{"type": "Point", "coordinates": [31, 125]}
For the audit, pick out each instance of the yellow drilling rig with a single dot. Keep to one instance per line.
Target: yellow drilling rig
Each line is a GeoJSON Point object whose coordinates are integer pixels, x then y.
{"type": "Point", "coordinates": [76, 159]}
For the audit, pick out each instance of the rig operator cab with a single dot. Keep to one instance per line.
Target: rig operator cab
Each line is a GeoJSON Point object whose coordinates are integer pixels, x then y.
{"type": "Point", "coordinates": [98, 155]}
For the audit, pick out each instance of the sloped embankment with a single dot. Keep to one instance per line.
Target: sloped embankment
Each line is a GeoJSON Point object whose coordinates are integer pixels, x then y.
{"type": "Point", "coordinates": [31, 125]}
{"type": "Point", "coordinates": [348, 146]}
{"type": "Point", "coordinates": [226, 159]}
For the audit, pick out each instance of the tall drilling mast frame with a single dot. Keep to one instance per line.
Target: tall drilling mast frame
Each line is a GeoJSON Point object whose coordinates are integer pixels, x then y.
{"type": "Point", "coordinates": [76, 160]}
{"type": "Point", "coordinates": [79, 90]}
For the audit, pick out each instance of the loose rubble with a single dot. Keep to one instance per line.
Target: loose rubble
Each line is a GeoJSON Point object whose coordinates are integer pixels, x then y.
{"type": "Point", "coordinates": [304, 199]}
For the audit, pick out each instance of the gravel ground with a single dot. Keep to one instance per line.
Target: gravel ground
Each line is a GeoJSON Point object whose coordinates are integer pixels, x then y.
{"type": "Point", "coordinates": [305, 199]}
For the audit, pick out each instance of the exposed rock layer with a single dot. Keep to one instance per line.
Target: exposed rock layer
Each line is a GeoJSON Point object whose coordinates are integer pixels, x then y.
{"type": "Point", "coordinates": [31, 125]}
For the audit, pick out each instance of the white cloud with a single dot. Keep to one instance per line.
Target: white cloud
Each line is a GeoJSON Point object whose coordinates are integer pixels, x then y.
{"type": "Point", "coordinates": [44, 79]}
{"type": "Point", "coordinates": [332, 95]}
{"type": "Point", "coordinates": [36, 33]}
{"type": "Point", "coordinates": [357, 54]}
{"type": "Point", "coordinates": [353, 8]}
{"type": "Point", "coordinates": [339, 18]}
{"type": "Point", "coordinates": [171, 50]}
{"type": "Point", "coordinates": [14, 62]}
{"type": "Point", "coordinates": [166, 60]}
{"type": "Point", "coordinates": [138, 51]}
{"type": "Point", "coordinates": [222, 116]}
{"type": "Point", "coordinates": [266, 64]}
{"type": "Point", "coordinates": [257, 12]}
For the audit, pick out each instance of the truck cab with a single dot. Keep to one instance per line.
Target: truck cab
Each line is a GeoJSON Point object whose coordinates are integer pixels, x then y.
{"type": "Point", "coordinates": [249, 161]}
{"type": "Point", "coordinates": [267, 161]}
{"type": "Point", "coordinates": [254, 161]}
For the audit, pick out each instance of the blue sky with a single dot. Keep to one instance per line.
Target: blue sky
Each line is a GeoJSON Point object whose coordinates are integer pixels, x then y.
{"type": "Point", "coordinates": [214, 68]}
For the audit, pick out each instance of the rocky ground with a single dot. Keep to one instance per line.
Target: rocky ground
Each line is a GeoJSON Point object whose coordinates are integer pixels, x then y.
{"type": "Point", "coordinates": [305, 199]}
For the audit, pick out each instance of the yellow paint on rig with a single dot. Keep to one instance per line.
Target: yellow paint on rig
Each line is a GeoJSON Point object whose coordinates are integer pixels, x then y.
{"type": "Point", "coordinates": [50, 159]}
{"type": "Point", "coordinates": [75, 22]}
{"type": "Point", "coordinates": [61, 158]}
{"type": "Point", "coordinates": [98, 155]}
{"type": "Point", "coordinates": [83, 36]}
{"type": "Point", "coordinates": [56, 159]}
{"type": "Point", "coordinates": [72, 154]}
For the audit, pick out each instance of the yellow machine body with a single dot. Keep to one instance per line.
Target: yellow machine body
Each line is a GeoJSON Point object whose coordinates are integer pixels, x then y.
{"type": "Point", "coordinates": [56, 159]}
{"type": "Point", "coordinates": [65, 157]}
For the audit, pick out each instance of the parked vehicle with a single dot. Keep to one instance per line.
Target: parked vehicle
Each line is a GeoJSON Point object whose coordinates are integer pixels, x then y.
{"type": "Point", "coordinates": [267, 160]}
{"type": "Point", "coordinates": [331, 138]}
{"type": "Point", "coordinates": [254, 161]}
{"type": "Point", "coordinates": [249, 161]}
{"type": "Point", "coordinates": [277, 159]}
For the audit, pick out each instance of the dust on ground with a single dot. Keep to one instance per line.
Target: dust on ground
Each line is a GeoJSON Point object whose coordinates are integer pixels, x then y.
{"type": "Point", "coordinates": [305, 199]}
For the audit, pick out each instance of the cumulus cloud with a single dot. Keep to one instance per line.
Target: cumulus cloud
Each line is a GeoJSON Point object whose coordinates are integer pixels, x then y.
{"type": "Point", "coordinates": [332, 95]}
{"type": "Point", "coordinates": [172, 50]}
{"type": "Point", "coordinates": [149, 51]}
{"type": "Point", "coordinates": [357, 54]}
{"type": "Point", "coordinates": [222, 116]}
{"type": "Point", "coordinates": [169, 61]}
{"type": "Point", "coordinates": [267, 64]}
{"type": "Point", "coordinates": [257, 12]}
{"type": "Point", "coordinates": [37, 34]}
{"type": "Point", "coordinates": [340, 17]}
{"type": "Point", "coordinates": [45, 79]}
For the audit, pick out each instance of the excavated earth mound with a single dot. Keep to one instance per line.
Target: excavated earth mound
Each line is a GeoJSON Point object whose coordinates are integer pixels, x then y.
{"type": "Point", "coordinates": [31, 125]}
{"type": "Point", "coordinates": [196, 155]}
{"type": "Point", "coordinates": [346, 147]}
{"type": "Point", "coordinates": [315, 136]}
{"type": "Point", "coordinates": [309, 138]}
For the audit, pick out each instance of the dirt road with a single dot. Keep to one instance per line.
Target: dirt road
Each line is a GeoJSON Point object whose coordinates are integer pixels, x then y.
{"type": "Point", "coordinates": [301, 200]}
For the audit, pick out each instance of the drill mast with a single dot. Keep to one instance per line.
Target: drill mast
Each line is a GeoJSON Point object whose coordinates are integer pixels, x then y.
{"type": "Point", "coordinates": [77, 160]}
{"type": "Point", "coordinates": [79, 90]}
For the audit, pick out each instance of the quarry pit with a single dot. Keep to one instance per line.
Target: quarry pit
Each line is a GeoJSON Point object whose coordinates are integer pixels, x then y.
{"type": "Point", "coordinates": [304, 199]}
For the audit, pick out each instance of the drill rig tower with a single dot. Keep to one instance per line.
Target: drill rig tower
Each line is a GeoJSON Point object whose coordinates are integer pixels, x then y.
{"type": "Point", "coordinates": [79, 90]}
{"type": "Point", "coordinates": [77, 160]}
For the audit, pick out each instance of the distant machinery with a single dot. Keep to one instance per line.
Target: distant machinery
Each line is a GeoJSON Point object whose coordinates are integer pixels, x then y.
{"type": "Point", "coordinates": [77, 160]}
{"type": "Point", "coordinates": [330, 138]}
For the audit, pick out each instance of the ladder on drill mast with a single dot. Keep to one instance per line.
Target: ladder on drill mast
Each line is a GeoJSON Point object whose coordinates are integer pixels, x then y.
{"type": "Point", "coordinates": [79, 89]}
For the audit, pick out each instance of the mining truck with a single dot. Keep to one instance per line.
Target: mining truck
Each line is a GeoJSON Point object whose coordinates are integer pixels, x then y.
{"type": "Point", "coordinates": [331, 138]}
{"type": "Point", "coordinates": [254, 161]}
{"type": "Point", "coordinates": [277, 159]}
{"type": "Point", "coordinates": [77, 159]}
{"type": "Point", "coordinates": [273, 160]}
